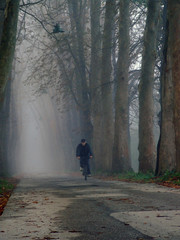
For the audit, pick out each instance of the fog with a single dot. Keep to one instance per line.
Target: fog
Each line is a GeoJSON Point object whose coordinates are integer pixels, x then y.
{"type": "Point", "coordinates": [41, 140]}
{"type": "Point", "coordinates": [39, 136]}
{"type": "Point", "coordinates": [38, 142]}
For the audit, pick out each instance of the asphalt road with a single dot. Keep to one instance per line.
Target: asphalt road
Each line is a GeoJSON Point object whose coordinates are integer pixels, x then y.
{"type": "Point", "coordinates": [70, 208]}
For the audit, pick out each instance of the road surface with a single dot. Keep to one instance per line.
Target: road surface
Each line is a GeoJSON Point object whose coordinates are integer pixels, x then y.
{"type": "Point", "coordinates": [70, 208]}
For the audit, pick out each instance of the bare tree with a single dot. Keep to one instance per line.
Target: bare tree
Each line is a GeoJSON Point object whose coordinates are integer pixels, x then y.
{"type": "Point", "coordinates": [106, 71]}
{"type": "Point", "coordinates": [147, 153]}
{"type": "Point", "coordinates": [95, 89]}
{"type": "Point", "coordinates": [170, 139]}
{"type": "Point", "coordinates": [121, 154]}
{"type": "Point", "coordinates": [8, 41]}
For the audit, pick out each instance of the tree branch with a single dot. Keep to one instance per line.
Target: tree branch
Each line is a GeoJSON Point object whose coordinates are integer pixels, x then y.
{"type": "Point", "coordinates": [30, 4]}
{"type": "Point", "coordinates": [37, 19]}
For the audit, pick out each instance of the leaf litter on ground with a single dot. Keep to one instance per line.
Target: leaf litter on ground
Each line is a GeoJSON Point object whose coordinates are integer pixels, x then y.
{"type": "Point", "coordinates": [7, 186]}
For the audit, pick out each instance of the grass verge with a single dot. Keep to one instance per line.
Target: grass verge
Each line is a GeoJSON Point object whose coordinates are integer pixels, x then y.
{"type": "Point", "coordinates": [168, 179]}
{"type": "Point", "coordinates": [7, 185]}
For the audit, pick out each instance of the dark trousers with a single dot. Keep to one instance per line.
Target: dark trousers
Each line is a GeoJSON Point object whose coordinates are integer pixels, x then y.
{"type": "Point", "coordinates": [85, 161]}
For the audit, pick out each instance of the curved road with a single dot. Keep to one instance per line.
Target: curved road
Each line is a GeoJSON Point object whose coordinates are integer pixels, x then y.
{"type": "Point", "coordinates": [70, 208]}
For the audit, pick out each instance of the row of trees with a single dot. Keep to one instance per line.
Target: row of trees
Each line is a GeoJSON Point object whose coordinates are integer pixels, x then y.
{"type": "Point", "coordinates": [8, 28]}
{"type": "Point", "coordinates": [113, 57]}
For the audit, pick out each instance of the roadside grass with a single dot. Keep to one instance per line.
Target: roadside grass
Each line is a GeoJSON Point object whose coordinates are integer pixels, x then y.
{"type": "Point", "coordinates": [136, 177]}
{"type": "Point", "coordinates": [6, 187]}
{"type": "Point", "coordinates": [168, 179]}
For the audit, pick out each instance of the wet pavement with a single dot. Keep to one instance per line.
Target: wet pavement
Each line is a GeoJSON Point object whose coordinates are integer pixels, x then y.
{"type": "Point", "coordinates": [70, 208]}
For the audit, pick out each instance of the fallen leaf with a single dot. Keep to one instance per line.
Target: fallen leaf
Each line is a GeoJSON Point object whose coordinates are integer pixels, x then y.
{"type": "Point", "coordinates": [74, 231]}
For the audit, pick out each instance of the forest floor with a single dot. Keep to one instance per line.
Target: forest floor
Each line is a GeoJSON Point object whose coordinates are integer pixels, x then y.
{"type": "Point", "coordinates": [69, 208]}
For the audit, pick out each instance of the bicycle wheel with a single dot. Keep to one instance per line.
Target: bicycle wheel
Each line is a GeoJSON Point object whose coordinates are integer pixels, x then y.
{"type": "Point", "coordinates": [85, 172]}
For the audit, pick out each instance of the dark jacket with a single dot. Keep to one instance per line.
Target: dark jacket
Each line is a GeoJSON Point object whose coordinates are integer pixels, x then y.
{"type": "Point", "coordinates": [83, 151]}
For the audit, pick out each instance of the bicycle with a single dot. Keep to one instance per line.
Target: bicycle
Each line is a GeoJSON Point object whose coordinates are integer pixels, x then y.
{"type": "Point", "coordinates": [85, 169]}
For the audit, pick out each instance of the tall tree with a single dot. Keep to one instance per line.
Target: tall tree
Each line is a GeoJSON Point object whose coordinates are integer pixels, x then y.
{"type": "Point", "coordinates": [174, 46]}
{"type": "Point", "coordinates": [106, 70]}
{"type": "Point", "coordinates": [8, 41]}
{"type": "Point", "coordinates": [95, 90]}
{"type": "Point", "coordinates": [147, 153]}
{"type": "Point", "coordinates": [77, 9]}
{"type": "Point", "coordinates": [169, 153]}
{"type": "Point", "coordinates": [121, 155]}
{"type": "Point", "coordinates": [2, 16]}
{"type": "Point", "coordinates": [4, 130]}
{"type": "Point", "coordinates": [8, 27]}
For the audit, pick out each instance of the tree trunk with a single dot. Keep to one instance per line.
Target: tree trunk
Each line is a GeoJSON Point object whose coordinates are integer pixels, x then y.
{"type": "Point", "coordinates": [162, 60]}
{"type": "Point", "coordinates": [174, 48]}
{"type": "Point", "coordinates": [147, 150]}
{"type": "Point", "coordinates": [95, 89]}
{"type": "Point", "coordinates": [4, 130]}
{"type": "Point", "coordinates": [2, 16]}
{"type": "Point", "coordinates": [169, 155]}
{"type": "Point", "coordinates": [121, 156]}
{"type": "Point", "coordinates": [167, 149]}
{"type": "Point", "coordinates": [76, 11]}
{"type": "Point", "coordinates": [107, 113]}
{"type": "Point", "coordinates": [8, 42]}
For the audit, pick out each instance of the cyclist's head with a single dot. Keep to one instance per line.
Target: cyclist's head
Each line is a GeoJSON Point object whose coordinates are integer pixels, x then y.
{"type": "Point", "coordinates": [83, 141]}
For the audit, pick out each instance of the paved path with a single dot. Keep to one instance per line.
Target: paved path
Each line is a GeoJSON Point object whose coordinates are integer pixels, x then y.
{"type": "Point", "coordinates": [69, 208]}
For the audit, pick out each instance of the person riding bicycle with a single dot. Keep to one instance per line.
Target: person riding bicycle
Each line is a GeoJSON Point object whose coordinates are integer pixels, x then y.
{"type": "Point", "coordinates": [83, 153]}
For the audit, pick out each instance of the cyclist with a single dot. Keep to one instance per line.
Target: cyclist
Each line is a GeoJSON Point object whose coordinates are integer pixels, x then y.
{"type": "Point", "coordinates": [83, 153]}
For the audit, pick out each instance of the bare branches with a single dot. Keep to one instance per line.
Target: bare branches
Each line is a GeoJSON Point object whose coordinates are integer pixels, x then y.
{"type": "Point", "coordinates": [29, 3]}
{"type": "Point", "coordinates": [38, 20]}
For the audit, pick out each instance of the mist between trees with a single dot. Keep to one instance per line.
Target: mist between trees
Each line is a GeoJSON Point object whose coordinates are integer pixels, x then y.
{"type": "Point", "coordinates": [104, 70]}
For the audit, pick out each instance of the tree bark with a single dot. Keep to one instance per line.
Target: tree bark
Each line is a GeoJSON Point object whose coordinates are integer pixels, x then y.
{"type": "Point", "coordinates": [95, 90]}
{"type": "Point", "coordinates": [4, 130]}
{"type": "Point", "coordinates": [147, 150]}
{"type": "Point", "coordinates": [174, 48]}
{"type": "Point", "coordinates": [167, 149]}
{"type": "Point", "coordinates": [107, 113]}
{"type": "Point", "coordinates": [8, 41]}
{"type": "Point", "coordinates": [77, 22]}
{"type": "Point", "coordinates": [121, 155]}
{"type": "Point", "coordinates": [162, 60]}
{"type": "Point", "coordinates": [2, 16]}
{"type": "Point", "coordinates": [169, 153]}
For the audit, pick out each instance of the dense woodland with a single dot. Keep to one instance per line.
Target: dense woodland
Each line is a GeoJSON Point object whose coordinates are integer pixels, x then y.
{"type": "Point", "coordinates": [114, 65]}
